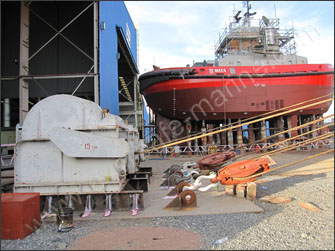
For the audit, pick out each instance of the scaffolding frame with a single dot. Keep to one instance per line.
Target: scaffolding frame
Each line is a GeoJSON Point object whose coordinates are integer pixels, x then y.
{"type": "Point", "coordinates": [24, 73]}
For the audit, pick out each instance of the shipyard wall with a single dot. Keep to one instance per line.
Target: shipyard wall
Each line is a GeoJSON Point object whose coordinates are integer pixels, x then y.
{"type": "Point", "coordinates": [113, 16]}
{"type": "Point", "coordinates": [67, 47]}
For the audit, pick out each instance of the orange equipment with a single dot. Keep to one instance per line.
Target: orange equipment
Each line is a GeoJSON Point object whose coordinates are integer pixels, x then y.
{"type": "Point", "coordinates": [242, 169]}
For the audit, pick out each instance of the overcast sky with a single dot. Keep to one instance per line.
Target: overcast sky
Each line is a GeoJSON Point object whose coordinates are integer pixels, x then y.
{"type": "Point", "coordinates": [173, 34]}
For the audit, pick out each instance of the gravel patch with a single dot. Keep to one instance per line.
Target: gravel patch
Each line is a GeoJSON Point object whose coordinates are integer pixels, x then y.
{"type": "Point", "coordinates": [281, 226]}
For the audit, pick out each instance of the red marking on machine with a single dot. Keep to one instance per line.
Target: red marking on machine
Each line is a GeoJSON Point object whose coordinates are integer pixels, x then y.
{"type": "Point", "coordinates": [88, 146]}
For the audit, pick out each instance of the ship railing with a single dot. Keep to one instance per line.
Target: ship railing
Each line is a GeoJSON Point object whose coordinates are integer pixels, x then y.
{"type": "Point", "coordinates": [287, 32]}
{"type": "Point", "coordinates": [253, 22]}
{"type": "Point", "coordinates": [238, 147]}
{"type": "Point", "coordinates": [221, 38]}
{"type": "Point", "coordinates": [221, 43]}
{"type": "Point", "coordinates": [222, 48]}
{"type": "Point", "coordinates": [288, 44]}
{"type": "Point", "coordinates": [273, 23]}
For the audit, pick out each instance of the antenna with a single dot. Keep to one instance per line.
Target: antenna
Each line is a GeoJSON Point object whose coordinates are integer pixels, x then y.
{"type": "Point", "coordinates": [292, 26]}
{"type": "Point", "coordinates": [274, 5]}
{"type": "Point", "coordinates": [246, 5]}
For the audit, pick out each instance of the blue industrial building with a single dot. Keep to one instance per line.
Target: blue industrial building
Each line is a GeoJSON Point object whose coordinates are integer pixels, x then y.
{"type": "Point", "coordinates": [87, 49]}
{"type": "Point", "coordinates": [115, 24]}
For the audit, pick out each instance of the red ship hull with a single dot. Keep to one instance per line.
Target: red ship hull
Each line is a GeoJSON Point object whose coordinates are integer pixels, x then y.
{"type": "Point", "coordinates": [214, 93]}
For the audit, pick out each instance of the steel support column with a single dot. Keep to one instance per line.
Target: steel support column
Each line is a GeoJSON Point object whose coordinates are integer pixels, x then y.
{"type": "Point", "coordinates": [292, 121]}
{"type": "Point", "coordinates": [230, 135]}
{"type": "Point", "coordinates": [188, 128]}
{"type": "Point", "coordinates": [223, 138]}
{"type": "Point", "coordinates": [251, 134]}
{"type": "Point", "coordinates": [240, 137]}
{"type": "Point", "coordinates": [301, 130]}
{"type": "Point", "coordinates": [203, 131]}
{"type": "Point", "coordinates": [218, 139]}
{"type": "Point", "coordinates": [263, 131]}
{"type": "Point", "coordinates": [323, 131]}
{"type": "Point", "coordinates": [314, 134]}
{"type": "Point", "coordinates": [96, 51]}
{"type": "Point", "coordinates": [6, 114]}
{"type": "Point", "coordinates": [322, 123]}
{"type": "Point", "coordinates": [24, 61]}
{"type": "Point", "coordinates": [135, 102]}
{"type": "Point", "coordinates": [195, 126]}
{"type": "Point", "coordinates": [280, 124]}
{"type": "Point", "coordinates": [210, 138]}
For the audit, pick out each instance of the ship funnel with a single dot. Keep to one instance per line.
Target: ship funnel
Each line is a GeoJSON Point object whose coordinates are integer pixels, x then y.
{"type": "Point", "coordinates": [270, 36]}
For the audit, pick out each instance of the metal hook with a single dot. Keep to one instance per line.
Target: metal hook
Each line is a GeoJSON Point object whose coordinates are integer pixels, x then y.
{"type": "Point", "coordinates": [197, 184]}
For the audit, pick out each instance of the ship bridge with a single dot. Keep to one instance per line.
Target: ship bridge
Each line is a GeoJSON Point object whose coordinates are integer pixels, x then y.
{"type": "Point", "coordinates": [254, 36]}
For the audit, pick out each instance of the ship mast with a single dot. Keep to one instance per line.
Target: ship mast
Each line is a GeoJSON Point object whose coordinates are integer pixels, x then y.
{"type": "Point", "coordinates": [248, 36]}
{"type": "Point", "coordinates": [247, 15]}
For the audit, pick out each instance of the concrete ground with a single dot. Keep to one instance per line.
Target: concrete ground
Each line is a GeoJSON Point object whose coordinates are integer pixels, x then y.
{"type": "Point", "coordinates": [280, 226]}
{"type": "Point", "coordinates": [214, 201]}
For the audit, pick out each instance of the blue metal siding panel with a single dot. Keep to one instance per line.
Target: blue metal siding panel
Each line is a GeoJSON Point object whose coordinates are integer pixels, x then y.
{"type": "Point", "coordinates": [112, 14]}
{"type": "Point", "coordinates": [122, 20]}
{"type": "Point", "coordinates": [146, 122]}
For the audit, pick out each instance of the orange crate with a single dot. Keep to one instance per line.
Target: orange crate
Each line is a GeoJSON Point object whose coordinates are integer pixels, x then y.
{"type": "Point", "coordinates": [20, 215]}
